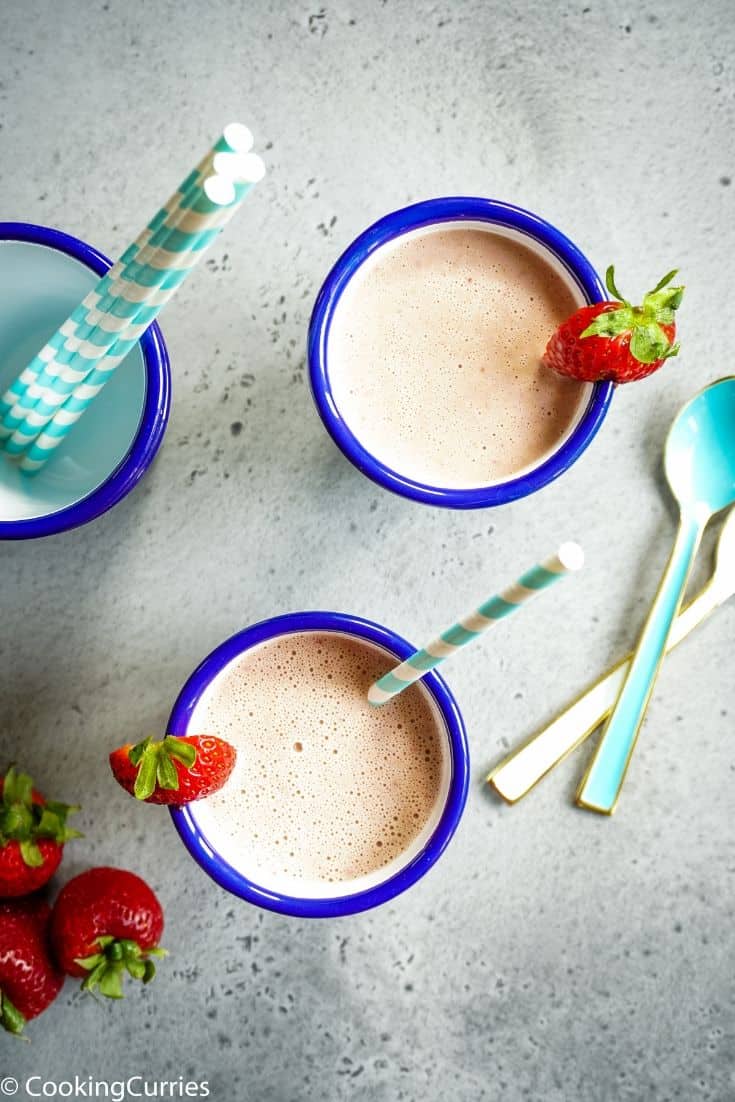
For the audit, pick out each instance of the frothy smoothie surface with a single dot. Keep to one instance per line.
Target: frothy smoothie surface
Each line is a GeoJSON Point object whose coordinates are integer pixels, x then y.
{"type": "Point", "coordinates": [434, 357]}
{"type": "Point", "coordinates": [326, 788]}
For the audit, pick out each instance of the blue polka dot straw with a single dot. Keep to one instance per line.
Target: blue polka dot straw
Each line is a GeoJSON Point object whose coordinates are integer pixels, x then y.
{"type": "Point", "coordinates": [568, 558]}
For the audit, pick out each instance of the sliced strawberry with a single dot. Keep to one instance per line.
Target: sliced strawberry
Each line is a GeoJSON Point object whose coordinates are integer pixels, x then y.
{"type": "Point", "coordinates": [617, 341]}
{"type": "Point", "coordinates": [175, 770]}
{"type": "Point", "coordinates": [107, 922]}
{"type": "Point", "coordinates": [29, 980]}
{"type": "Point", "coordinates": [33, 831]}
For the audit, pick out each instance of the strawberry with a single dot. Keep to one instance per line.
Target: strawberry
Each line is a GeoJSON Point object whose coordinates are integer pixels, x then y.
{"type": "Point", "coordinates": [29, 980]}
{"type": "Point", "coordinates": [617, 341]}
{"type": "Point", "coordinates": [175, 770]}
{"type": "Point", "coordinates": [32, 835]}
{"type": "Point", "coordinates": [106, 922]}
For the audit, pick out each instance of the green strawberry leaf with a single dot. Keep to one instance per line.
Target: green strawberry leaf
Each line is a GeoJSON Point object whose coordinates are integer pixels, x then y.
{"type": "Point", "coordinates": [52, 823]}
{"type": "Point", "coordinates": [88, 963]}
{"type": "Point", "coordinates": [17, 788]}
{"type": "Point", "coordinates": [145, 782]}
{"type": "Point", "coordinates": [110, 982]}
{"type": "Point", "coordinates": [49, 825]}
{"type": "Point", "coordinates": [661, 305]}
{"type": "Point", "coordinates": [611, 323]}
{"type": "Point", "coordinates": [136, 968]}
{"type": "Point", "coordinates": [610, 284]}
{"type": "Point", "coordinates": [183, 751]}
{"type": "Point", "coordinates": [95, 976]}
{"type": "Point", "coordinates": [150, 971]}
{"type": "Point", "coordinates": [10, 1017]}
{"type": "Point", "coordinates": [663, 282]}
{"type": "Point", "coordinates": [9, 786]}
{"type": "Point", "coordinates": [139, 750]}
{"type": "Point", "coordinates": [62, 810]}
{"type": "Point", "coordinates": [166, 771]}
{"type": "Point", "coordinates": [18, 822]}
{"type": "Point", "coordinates": [649, 343]}
{"type": "Point", "coordinates": [31, 854]}
{"type": "Point", "coordinates": [129, 949]}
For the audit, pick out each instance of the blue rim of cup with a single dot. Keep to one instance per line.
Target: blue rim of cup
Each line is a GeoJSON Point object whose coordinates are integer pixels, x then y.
{"type": "Point", "coordinates": [156, 406]}
{"type": "Point", "coordinates": [231, 879]}
{"type": "Point", "coordinates": [430, 212]}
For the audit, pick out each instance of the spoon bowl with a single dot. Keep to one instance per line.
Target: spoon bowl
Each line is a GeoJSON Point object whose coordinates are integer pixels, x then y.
{"type": "Point", "coordinates": [700, 449]}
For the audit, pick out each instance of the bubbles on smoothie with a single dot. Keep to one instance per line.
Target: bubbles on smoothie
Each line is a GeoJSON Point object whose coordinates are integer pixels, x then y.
{"type": "Point", "coordinates": [421, 308]}
{"type": "Point", "coordinates": [357, 784]}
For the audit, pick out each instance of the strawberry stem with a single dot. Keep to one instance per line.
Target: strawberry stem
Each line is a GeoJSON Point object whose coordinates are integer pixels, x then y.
{"type": "Point", "coordinates": [24, 820]}
{"type": "Point", "coordinates": [117, 956]}
{"type": "Point", "coordinates": [642, 326]}
{"type": "Point", "coordinates": [155, 762]}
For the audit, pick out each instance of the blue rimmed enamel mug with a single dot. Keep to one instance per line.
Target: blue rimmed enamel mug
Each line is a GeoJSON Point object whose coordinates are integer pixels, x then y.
{"type": "Point", "coordinates": [44, 274]}
{"type": "Point", "coordinates": [204, 849]}
{"type": "Point", "coordinates": [514, 221]}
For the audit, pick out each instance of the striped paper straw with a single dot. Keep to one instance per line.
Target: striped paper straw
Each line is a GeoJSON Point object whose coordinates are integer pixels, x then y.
{"type": "Point", "coordinates": [31, 374]}
{"type": "Point", "coordinates": [222, 197]}
{"type": "Point", "coordinates": [159, 270]}
{"type": "Point", "coordinates": [116, 303]}
{"type": "Point", "coordinates": [568, 558]}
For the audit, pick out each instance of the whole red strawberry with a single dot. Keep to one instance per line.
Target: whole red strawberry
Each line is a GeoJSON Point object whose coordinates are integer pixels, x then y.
{"type": "Point", "coordinates": [176, 770]}
{"type": "Point", "coordinates": [615, 340]}
{"type": "Point", "coordinates": [104, 923]}
{"type": "Point", "coordinates": [29, 980]}
{"type": "Point", "coordinates": [32, 835]}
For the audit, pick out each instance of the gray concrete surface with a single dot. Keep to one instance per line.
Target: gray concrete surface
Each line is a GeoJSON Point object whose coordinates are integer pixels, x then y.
{"type": "Point", "coordinates": [552, 955]}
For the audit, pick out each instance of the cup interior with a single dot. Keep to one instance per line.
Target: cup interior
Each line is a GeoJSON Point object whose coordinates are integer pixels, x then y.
{"type": "Point", "coordinates": [557, 252]}
{"type": "Point", "coordinates": [39, 287]}
{"type": "Point", "coordinates": [218, 852]}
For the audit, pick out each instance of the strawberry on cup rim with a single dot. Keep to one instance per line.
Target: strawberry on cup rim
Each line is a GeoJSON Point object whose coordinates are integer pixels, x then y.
{"type": "Point", "coordinates": [615, 340]}
{"type": "Point", "coordinates": [175, 770]}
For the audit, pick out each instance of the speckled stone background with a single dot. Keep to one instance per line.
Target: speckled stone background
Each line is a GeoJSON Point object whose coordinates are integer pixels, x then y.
{"type": "Point", "coordinates": [552, 955]}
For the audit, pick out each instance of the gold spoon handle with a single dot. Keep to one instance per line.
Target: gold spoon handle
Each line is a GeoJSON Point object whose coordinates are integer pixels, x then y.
{"type": "Point", "coordinates": [524, 767]}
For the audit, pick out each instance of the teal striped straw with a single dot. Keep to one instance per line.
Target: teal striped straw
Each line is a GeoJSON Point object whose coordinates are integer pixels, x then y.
{"type": "Point", "coordinates": [568, 558]}
{"type": "Point", "coordinates": [152, 284]}
{"type": "Point", "coordinates": [227, 196]}
{"type": "Point", "coordinates": [75, 352]}
{"type": "Point", "coordinates": [128, 298]}
{"type": "Point", "coordinates": [81, 357]}
{"type": "Point", "coordinates": [97, 303]}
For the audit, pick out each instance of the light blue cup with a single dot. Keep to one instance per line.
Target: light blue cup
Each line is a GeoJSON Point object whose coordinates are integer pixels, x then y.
{"type": "Point", "coordinates": [44, 274]}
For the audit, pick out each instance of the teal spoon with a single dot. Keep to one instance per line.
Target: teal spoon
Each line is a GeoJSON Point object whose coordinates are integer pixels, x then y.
{"type": "Point", "coordinates": [700, 468]}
